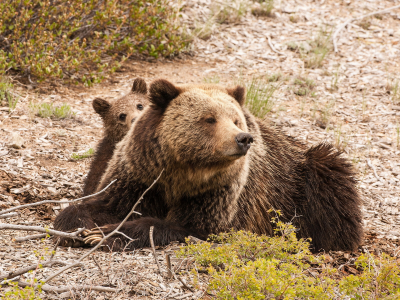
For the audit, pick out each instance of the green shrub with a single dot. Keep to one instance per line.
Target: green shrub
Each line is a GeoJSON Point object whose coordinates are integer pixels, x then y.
{"type": "Point", "coordinates": [86, 154]}
{"type": "Point", "coordinates": [81, 39]}
{"type": "Point", "coordinates": [304, 86]}
{"type": "Point", "coordinates": [6, 95]}
{"type": "Point", "coordinates": [250, 266]}
{"type": "Point", "coordinates": [48, 110]}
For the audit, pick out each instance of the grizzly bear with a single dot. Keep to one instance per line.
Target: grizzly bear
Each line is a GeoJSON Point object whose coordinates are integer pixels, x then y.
{"type": "Point", "coordinates": [222, 168]}
{"type": "Point", "coordinates": [117, 119]}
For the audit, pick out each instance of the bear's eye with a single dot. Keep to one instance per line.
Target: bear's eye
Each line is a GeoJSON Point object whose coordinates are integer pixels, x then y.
{"type": "Point", "coordinates": [236, 122]}
{"type": "Point", "coordinates": [211, 120]}
{"type": "Point", "coordinates": [122, 117]}
{"type": "Point", "coordinates": [139, 107]}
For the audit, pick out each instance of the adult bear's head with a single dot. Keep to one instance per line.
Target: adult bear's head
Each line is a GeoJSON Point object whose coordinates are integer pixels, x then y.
{"type": "Point", "coordinates": [199, 125]}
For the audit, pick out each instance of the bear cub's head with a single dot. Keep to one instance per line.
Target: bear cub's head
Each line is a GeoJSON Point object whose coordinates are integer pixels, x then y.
{"type": "Point", "coordinates": [201, 125]}
{"type": "Point", "coordinates": [121, 113]}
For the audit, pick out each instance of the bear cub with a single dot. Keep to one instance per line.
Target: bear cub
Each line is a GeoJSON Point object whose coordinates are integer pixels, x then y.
{"type": "Point", "coordinates": [221, 168]}
{"type": "Point", "coordinates": [117, 118]}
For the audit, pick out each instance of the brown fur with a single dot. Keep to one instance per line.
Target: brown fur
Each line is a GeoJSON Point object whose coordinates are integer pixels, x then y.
{"type": "Point", "coordinates": [209, 186]}
{"type": "Point", "coordinates": [115, 128]}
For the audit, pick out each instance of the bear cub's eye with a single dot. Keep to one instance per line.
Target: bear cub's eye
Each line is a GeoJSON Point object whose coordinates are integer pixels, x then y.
{"type": "Point", "coordinates": [211, 120]}
{"type": "Point", "coordinates": [139, 107]}
{"type": "Point", "coordinates": [236, 122]}
{"type": "Point", "coordinates": [122, 117]}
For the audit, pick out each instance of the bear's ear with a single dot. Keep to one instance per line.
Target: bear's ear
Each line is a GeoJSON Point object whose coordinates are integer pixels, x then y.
{"type": "Point", "coordinates": [101, 106]}
{"type": "Point", "coordinates": [238, 93]}
{"type": "Point", "coordinates": [139, 86]}
{"type": "Point", "coordinates": [162, 92]}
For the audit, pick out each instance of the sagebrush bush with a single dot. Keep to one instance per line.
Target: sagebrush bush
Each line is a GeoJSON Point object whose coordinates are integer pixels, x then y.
{"type": "Point", "coordinates": [81, 39]}
{"type": "Point", "coordinates": [250, 266]}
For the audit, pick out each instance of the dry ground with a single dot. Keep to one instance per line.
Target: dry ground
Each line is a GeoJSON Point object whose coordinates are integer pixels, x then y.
{"type": "Point", "coordinates": [361, 115]}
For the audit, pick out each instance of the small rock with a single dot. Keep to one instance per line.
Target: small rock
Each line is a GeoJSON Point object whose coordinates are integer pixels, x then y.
{"type": "Point", "coordinates": [16, 141]}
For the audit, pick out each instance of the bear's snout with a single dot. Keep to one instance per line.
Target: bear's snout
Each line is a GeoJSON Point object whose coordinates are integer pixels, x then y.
{"type": "Point", "coordinates": [244, 140]}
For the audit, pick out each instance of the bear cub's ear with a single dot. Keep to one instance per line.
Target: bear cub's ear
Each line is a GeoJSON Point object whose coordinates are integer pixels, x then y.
{"type": "Point", "coordinates": [238, 93]}
{"type": "Point", "coordinates": [101, 106]}
{"type": "Point", "coordinates": [139, 86]}
{"type": "Point", "coordinates": [162, 92]}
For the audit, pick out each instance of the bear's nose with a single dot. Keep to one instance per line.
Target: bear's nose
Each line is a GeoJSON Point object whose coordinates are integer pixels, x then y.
{"type": "Point", "coordinates": [244, 140]}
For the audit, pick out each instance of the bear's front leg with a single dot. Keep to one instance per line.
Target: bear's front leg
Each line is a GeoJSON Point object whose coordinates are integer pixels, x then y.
{"type": "Point", "coordinates": [136, 234]}
{"type": "Point", "coordinates": [85, 215]}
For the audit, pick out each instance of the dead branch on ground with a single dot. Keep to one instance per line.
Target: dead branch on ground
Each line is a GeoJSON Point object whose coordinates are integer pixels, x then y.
{"type": "Point", "coordinates": [52, 276]}
{"type": "Point", "coordinates": [56, 201]}
{"type": "Point", "coordinates": [72, 235]}
{"type": "Point", "coordinates": [348, 21]}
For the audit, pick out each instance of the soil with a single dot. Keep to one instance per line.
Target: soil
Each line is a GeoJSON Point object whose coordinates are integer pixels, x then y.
{"type": "Point", "coordinates": [353, 104]}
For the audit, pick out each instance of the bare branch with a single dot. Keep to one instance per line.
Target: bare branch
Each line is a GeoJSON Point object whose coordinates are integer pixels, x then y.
{"type": "Point", "coordinates": [154, 249]}
{"type": "Point", "coordinates": [272, 46]}
{"type": "Point", "coordinates": [369, 163]}
{"type": "Point", "coordinates": [48, 263]}
{"type": "Point", "coordinates": [49, 288]}
{"type": "Point", "coordinates": [56, 201]}
{"type": "Point", "coordinates": [107, 236]}
{"type": "Point", "coordinates": [169, 266]}
{"type": "Point", "coordinates": [30, 237]}
{"type": "Point", "coordinates": [9, 215]}
{"type": "Point", "coordinates": [384, 11]}
{"type": "Point", "coordinates": [72, 235]}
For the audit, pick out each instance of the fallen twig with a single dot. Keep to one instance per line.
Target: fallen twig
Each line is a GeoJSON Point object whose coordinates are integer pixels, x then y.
{"type": "Point", "coordinates": [49, 288]}
{"type": "Point", "coordinates": [169, 266]}
{"type": "Point", "coordinates": [56, 201]}
{"type": "Point", "coordinates": [369, 163]}
{"type": "Point", "coordinates": [272, 46]}
{"type": "Point", "coordinates": [30, 237]}
{"type": "Point", "coordinates": [9, 215]}
{"type": "Point", "coordinates": [71, 235]}
{"type": "Point", "coordinates": [154, 249]}
{"type": "Point", "coordinates": [50, 277]}
{"type": "Point", "coordinates": [384, 11]}
{"type": "Point", "coordinates": [20, 271]}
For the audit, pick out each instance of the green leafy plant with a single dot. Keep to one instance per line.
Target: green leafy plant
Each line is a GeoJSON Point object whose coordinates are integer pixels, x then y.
{"type": "Point", "coordinates": [249, 266]}
{"type": "Point", "coordinates": [6, 95]}
{"type": "Point", "coordinates": [86, 154]}
{"type": "Point", "coordinates": [82, 39]}
{"type": "Point", "coordinates": [48, 110]}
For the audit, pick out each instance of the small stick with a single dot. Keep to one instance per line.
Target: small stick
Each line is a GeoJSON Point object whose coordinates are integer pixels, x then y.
{"type": "Point", "coordinates": [49, 288]}
{"type": "Point", "coordinates": [73, 235]}
{"type": "Point", "coordinates": [384, 11]}
{"type": "Point", "coordinates": [154, 249]}
{"type": "Point", "coordinates": [55, 249]}
{"type": "Point", "coordinates": [30, 237]}
{"type": "Point", "coordinates": [6, 173]}
{"type": "Point", "coordinates": [97, 264]}
{"type": "Point", "coordinates": [369, 163]}
{"type": "Point", "coordinates": [48, 263]}
{"type": "Point", "coordinates": [184, 284]}
{"type": "Point", "coordinates": [55, 201]}
{"type": "Point", "coordinates": [9, 215]}
{"type": "Point", "coordinates": [50, 277]}
{"type": "Point", "coordinates": [169, 266]}
{"type": "Point", "coordinates": [272, 46]}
